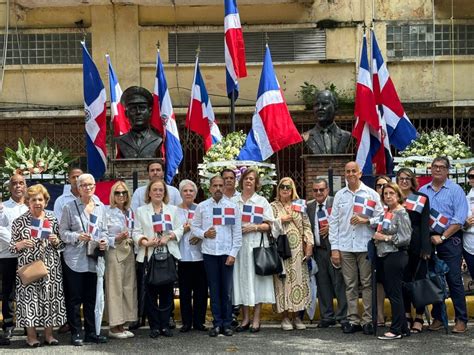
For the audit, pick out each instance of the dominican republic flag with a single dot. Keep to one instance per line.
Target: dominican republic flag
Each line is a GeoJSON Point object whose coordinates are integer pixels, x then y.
{"type": "Point", "coordinates": [438, 222]}
{"type": "Point", "coordinates": [400, 130]}
{"type": "Point", "coordinates": [234, 48]}
{"type": "Point", "coordinates": [191, 211]}
{"type": "Point", "coordinates": [385, 221]}
{"type": "Point", "coordinates": [223, 216]}
{"type": "Point", "coordinates": [161, 222]}
{"type": "Point", "coordinates": [364, 206]}
{"type": "Point", "coordinates": [92, 227]}
{"type": "Point", "coordinates": [40, 228]}
{"type": "Point", "coordinates": [200, 117]}
{"type": "Point", "coordinates": [367, 129]}
{"type": "Point", "coordinates": [130, 219]}
{"type": "Point", "coordinates": [119, 120]}
{"type": "Point", "coordinates": [272, 126]}
{"type": "Point", "coordinates": [95, 109]}
{"type": "Point", "coordinates": [415, 203]}
{"type": "Point", "coordinates": [299, 205]}
{"type": "Point", "coordinates": [323, 217]}
{"type": "Point", "coordinates": [165, 122]}
{"type": "Point", "coordinates": [252, 214]}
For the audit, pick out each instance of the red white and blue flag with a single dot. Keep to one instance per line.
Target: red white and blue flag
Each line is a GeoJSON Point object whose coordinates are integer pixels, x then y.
{"type": "Point", "coordinates": [163, 114]}
{"type": "Point", "coordinates": [200, 117]}
{"type": "Point", "coordinates": [40, 228]}
{"type": "Point", "coordinates": [438, 222]}
{"type": "Point", "coordinates": [415, 203]}
{"type": "Point", "coordinates": [234, 48]}
{"type": "Point", "coordinates": [364, 206]}
{"type": "Point", "coordinates": [119, 120]}
{"type": "Point", "coordinates": [191, 211]}
{"type": "Point", "coordinates": [272, 126]}
{"type": "Point", "coordinates": [323, 216]}
{"type": "Point", "coordinates": [385, 221]}
{"type": "Point", "coordinates": [298, 205]}
{"type": "Point", "coordinates": [130, 219]}
{"type": "Point", "coordinates": [161, 222]}
{"type": "Point", "coordinates": [252, 214]}
{"type": "Point", "coordinates": [95, 106]}
{"type": "Point", "coordinates": [92, 226]}
{"type": "Point", "coordinates": [223, 216]}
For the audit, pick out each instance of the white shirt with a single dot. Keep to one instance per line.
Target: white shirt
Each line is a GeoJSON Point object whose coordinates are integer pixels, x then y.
{"type": "Point", "coordinates": [343, 235]}
{"type": "Point", "coordinates": [138, 198]}
{"type": "Point", "coordinates": [468, 237]}
{"type": "Point", "coordinates": [189, 252]}
{"type": "Point", "coordinates": [10, 211]}
{"type": "Point", "coordinates": [228, 238]}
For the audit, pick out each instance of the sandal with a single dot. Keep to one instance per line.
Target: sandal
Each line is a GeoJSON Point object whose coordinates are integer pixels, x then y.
{"type": "Point", "coordinates": [410, 322]}
{"type": "Point", "coordinates": [417, 330]}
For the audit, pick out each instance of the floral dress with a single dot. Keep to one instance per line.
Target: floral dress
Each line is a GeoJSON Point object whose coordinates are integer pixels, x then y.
{"type": "Point", "coordinates": [292, 292]}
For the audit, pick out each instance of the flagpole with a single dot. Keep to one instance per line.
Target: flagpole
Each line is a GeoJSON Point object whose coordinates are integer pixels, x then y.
{"type": "Point", "coordinates": [190, 109]}
{"type": "Point", "coordinates": [232, 111]}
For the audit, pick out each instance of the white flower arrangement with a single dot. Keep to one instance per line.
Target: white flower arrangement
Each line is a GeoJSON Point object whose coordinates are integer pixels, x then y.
{"type": "Point", "coordinates": [35, 159]}
{"type": "Point", "coordinates": [222, 155]}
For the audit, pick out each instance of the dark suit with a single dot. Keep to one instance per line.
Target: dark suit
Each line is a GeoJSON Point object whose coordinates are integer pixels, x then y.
{"type": "Point", "coordinates": [339, 140]}
{"type": "Point", "coordinates": [148, 148]}
{"type": "Point", "coordinates": [328, 279]}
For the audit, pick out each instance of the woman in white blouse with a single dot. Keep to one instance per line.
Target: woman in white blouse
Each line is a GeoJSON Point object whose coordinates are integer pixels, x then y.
{"type": "Point", "coordinates": [250, 289]}
{"type": "Point", "coordinates": [191, 272]}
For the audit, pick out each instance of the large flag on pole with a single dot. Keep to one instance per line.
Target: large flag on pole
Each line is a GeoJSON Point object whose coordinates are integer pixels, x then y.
{"type": "Point", "coordinates": [95, 109]}
{"type": "Point", "coordinates": [234, 48]}
{"type": "Point", "coordinates": [117, 112]}
{"type": "Point", "coordinates": [162, 106]}
{"type": "Point", "coordinates": [367, 129]}
{"type": "Point", "coordinates": [272, 126]}
{"type": "Point", "coordinates": [400, 130]}
{"type": "Point", "coordinates": [200, 117]}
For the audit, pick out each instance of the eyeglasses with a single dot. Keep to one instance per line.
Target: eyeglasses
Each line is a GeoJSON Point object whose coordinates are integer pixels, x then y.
{"type": "Point", "coordinates": [438, 167]}
{"type": "Point", "coordinates": [88, 186]}
{"type": "Point", "coordinates": [286, 187]}
{"type": "Point", "coordinates": [470, 176]}
{"type": "Point", "coordinates": [120, 193]}
{"type": "Point", "coordinates": [404, 179]}
{"type": "Point", "coordinates": [380, 186]}
{"type": "Point", "coordinates": [319, 190]}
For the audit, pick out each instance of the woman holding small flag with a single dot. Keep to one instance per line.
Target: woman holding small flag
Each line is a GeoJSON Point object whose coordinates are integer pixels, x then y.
{"type": "Point", "coordinates": [157, 228]}
{"type": "Point", "coordinates": [292, 291]}
{"type": "Point", "coordinates": [35, 237]}
{"type": "Point", "coordinates": [417, 205]}
{"type": "Point", "coordinates": [191, 271]}
{"type": "Point", "coordinates": [250, 289]}
{"type": "Point", "coordinates": [120, 276]}
{"type": "Point", "coordinates": [392, 239]}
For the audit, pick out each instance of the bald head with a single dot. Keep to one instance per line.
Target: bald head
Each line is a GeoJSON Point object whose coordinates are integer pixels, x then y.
{"type": "Point", "coordinates": [352, 174]}
{"type": "Point", "coordinates": [17, 188]}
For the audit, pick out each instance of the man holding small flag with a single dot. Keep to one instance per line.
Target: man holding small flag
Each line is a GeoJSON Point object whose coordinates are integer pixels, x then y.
{"type": "Point", "coordinates": [448, 199]}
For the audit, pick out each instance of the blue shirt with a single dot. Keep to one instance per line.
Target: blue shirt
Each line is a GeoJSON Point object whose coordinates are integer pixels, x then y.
{"type": "Point", "coordinates": [450, 201]}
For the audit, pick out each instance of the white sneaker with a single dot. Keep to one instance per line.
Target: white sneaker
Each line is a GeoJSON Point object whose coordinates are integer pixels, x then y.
{"type": "Point", "coordinates": [120, 335]}
{"type": "Point", "coordinates": [299, 324]}
{"type": "Point", "coordinates": [286, 324]}
{"type": "Point", "coordinates": [129, 334]}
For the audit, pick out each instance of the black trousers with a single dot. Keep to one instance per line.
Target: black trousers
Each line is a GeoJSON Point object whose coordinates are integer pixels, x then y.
{"type": "Point", "coordinates": [81, 290]}
{"type": "Point", "coordinates": [393, 266]}
{"type": "Point", "coordinates": [192, 292]}
{"type": "Point", "coordinates": [410, 275]}
{"type": "Point", "coordinates": [159, 313]}
{"type": "Point", "coordinates": [8, 270]}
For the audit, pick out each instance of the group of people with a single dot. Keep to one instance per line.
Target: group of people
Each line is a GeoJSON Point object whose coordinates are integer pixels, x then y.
{"type": "Point", "coordinates": [212, 243]}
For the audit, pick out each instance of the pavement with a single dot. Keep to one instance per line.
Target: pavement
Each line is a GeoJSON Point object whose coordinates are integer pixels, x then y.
{"type": "Point", "coordinates": [271, 339]}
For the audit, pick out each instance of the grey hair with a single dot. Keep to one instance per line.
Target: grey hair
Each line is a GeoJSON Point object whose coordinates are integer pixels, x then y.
{"type": "Point", "coordinates": [320, 180]}
{"type": "Point", "coordinates": [83, 177]}
{"type": "Point", "coordinates": [185, 182]}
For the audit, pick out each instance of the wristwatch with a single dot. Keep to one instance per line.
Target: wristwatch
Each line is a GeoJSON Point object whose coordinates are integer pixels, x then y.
{"type": "Point", "coordinates": [443, 238]}
{"type": "Point", "coordinates": [386, 239]}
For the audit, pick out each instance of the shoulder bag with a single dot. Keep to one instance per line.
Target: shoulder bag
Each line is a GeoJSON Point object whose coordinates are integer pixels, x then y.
{"type": "Point", "coordinates": [161, 268]}
{"type": "Point", "coordinates": [266, 259]}
{"type": "Point", "coordinates": [32, 272]}
{"type": "Point", "coordinates": [426, 291]}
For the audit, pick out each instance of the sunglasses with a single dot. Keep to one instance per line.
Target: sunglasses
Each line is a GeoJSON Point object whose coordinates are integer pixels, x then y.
{"type": "Point", "coordinates": [120, 193]}
{"type": "Point", "coordinates": [470, 176]}
{"type": "Point", "coordinates": [319, 190]}
{"type": "Point", "coordinates": [380, 186]}
{"type": "Point", "coordinates": [286, 187]}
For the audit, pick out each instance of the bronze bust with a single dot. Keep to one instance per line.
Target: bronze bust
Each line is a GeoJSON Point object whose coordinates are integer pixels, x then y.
{"type": "Point", "coordinates": [326, 137]}
{"type": "Point", "coordinates": [141, 141]}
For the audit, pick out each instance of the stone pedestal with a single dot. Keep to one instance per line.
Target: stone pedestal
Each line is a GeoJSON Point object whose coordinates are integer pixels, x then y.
{"type": "Point", "coordinates": [318, 165]}
{"type": "Point", "coordinates": [124, 168]}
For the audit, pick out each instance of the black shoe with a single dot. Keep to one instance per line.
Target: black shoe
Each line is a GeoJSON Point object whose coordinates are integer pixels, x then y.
{"type": "Point", "coordinates": [166, 332]}
{"type": "Point", "coordinates": [76, 339]}
{"type": "Point", "coordinates": [172, 323]}
{"type": "Point", "coordinates": [92, 338]}
{"type": "Point", "coordinates": [389, 336]}
{"type": "Point", "coordinates": [326, 323]}
{"type": "Point", "coordinates": [135, 325]}
{"type": "Point", "coordinates": [214, 332]}
{"type": "Point", "coordinates": [4, 341]}
{"type": "Point", "coordinates": [349, 328]}
{"type": "Point", "coordinates": [242, 328]}
{"type": "Point", "coordinates": [200, 327]}
{"type": "Point", "coordinates": [228, 332]}
{"type": "Point", "coordinates": [185, 328]}
{"type": "Point", "coordinates": [154, 333]}
{"type": "Point", "coordinates": [368, 329]}
{"type": "Point", "coordinates": [65, 328]}
{"type": "Point", "coordinates": [254, 330]}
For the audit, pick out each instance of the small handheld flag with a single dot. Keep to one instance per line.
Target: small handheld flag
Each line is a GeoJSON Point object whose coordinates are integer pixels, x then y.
{"type": "Point", "coordinates": [364, 206]}
{"type": "Point", "coordinates": [323, 217]}
{"type": "Point", "coordinates": [299, 205]}
{"type": "Point", "coordinates": [92, 227]}
{"type": "Point", "coordinates": [130, 219]}
{"type": "Point", "coordinates": [40, 228]}
{"type": "Point", "coordinates": [415, 203]}
{"type": "Point", "coordinates": [252, 214]}
{"type": "Point", "coordinates": [191, 211]}
{"type": "Point", "coordinates": [223, 216]}
{"type": "Point", "coordinates": [161, 222]}
{"type": "Point", "coordinates": [438, 222]}
{"type": "Point", "coordinates": [385, 222]}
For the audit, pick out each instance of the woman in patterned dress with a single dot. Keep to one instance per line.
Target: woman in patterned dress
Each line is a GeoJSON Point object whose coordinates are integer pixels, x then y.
{"type": "Point", "coordinates": [41, 303]}
{"type": "Point", "coordinates": [292, 291]}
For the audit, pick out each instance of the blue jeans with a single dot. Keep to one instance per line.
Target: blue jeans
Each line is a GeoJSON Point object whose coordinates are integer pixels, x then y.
{"type": "Point", "coordinates": [219, 279]}
{"type": "Point", "coordinates": [451, 253]}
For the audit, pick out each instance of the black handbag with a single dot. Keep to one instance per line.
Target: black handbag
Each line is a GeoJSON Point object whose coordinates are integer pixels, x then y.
{"type": "Point", "coordinates": [425, 291]}
{"type": "Point", "coordinates": [266, 259]}
{"type": "Point", "coordinates": [161, 268]}
{"type": "Point", "coordinates": [283, 247]}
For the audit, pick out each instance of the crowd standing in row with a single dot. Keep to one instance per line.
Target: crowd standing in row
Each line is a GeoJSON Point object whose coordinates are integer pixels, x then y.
{"type": "Point", "coordinates": [213, 243]}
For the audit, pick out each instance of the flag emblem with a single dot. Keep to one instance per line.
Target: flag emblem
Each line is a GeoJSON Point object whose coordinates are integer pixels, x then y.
{"type": "Point", "coordinates": [364, 206]}
{"type": "Point", "coordinates": [438, 222]}
{"type": "Point", "coordinates": [223, 216]}
{"type": "Point", "coordinates": [252, 214]}
{"type": "Point", "coordinates": [161, 222]}
{"type": "Point", "coordinates": [415, 203]}
{"type": "Point", "coordinates": [299, 205]}
{"type": "Point", "coordinates": [385, 222]}
{"type": "Point", "coordinates": [40, 228]}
